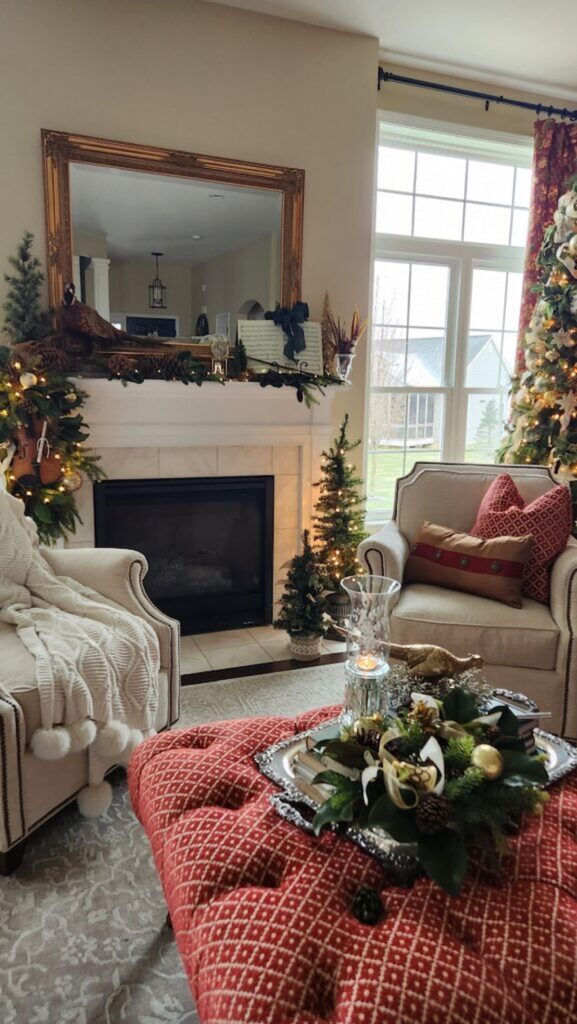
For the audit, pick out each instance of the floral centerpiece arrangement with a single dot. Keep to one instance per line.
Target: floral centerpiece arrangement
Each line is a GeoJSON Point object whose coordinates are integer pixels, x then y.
{"type": "Point", "coordinates": [442, 775]}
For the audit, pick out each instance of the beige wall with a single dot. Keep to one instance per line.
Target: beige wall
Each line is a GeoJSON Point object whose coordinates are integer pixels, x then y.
{"type": "Point", "coordinates": [129, 283]}
{"type": "Point", "coordinates": [205, 78]}
{"type": "Point", "coordinates": [86, 243]}
{"type": "Point", "coordinates": [236, 277]}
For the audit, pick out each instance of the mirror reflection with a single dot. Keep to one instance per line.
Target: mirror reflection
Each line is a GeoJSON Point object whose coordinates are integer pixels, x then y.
{"type": "Point", "coordinates": [170, 256]}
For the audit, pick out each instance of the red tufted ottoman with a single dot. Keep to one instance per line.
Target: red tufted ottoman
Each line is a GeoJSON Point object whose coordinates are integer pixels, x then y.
{"type": "Point", "coordinates": [261, 909]}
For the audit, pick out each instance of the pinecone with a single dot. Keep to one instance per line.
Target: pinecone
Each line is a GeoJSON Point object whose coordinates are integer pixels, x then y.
{"type": "Point", "coordinates": [119, 364]}
{"type": "Point", "coordinates": [492, 733]}
{"type": "Point", "coordinates": [424, 715]}
{"type": "Point", "coordinates": [367, 906]}
{"type": "Point", "coordinates": [54, 359]}
{"type": "Point", "coordinates": [433, 814]}
{"type": "Point", "coordinates": [165, 367]}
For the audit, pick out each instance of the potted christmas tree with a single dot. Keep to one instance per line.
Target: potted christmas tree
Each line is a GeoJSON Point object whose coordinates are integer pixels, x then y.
{"type": "Point", "coordinates": [339, 521]}
{"type": "Point", "coordinates": [303, 604]}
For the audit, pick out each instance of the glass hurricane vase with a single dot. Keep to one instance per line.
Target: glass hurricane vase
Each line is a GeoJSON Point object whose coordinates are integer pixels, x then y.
{"type": "Point", "coordinates": [367, 663]}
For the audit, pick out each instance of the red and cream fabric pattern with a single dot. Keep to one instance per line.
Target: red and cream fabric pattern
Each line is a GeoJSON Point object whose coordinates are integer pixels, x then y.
{"type": "Point", "coordinates": [262, 910]}
{"type": "Point", "coordinates": [549, 520]}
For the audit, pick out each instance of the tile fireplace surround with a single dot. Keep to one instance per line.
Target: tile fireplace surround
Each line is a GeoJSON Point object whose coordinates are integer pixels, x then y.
{"type": "Point", "coordinates": [162, 429]}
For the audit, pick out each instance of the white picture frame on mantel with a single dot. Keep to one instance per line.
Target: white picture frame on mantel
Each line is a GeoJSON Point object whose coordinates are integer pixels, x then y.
{"type": "Point", "coordinates": [263, 340]}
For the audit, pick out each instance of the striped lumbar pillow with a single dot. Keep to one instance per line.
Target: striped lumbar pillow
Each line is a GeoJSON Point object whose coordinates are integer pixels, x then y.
{"type": "Point", "coordinates": [458, 561]}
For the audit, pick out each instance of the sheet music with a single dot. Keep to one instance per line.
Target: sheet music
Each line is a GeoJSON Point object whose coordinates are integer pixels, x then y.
{"type": "Point", "coordinates": [264, 340]}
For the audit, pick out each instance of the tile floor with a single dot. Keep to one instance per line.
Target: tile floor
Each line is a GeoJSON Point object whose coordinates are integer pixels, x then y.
{"type": "Point", "coordinates": [231, 648]}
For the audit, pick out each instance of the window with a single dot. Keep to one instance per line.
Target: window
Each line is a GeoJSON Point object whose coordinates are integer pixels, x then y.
{"type": "Point", "coordinates": [451, 222]}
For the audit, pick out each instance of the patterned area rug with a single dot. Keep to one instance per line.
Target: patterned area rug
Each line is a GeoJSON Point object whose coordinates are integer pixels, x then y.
{"type": "Point", "coordinates": [82, 932]}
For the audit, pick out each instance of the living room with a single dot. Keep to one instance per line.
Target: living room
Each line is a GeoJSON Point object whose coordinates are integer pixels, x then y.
{"type": "Point", "coordinates": [288, 434]}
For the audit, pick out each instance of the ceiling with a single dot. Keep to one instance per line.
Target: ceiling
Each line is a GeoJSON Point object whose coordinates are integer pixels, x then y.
{"type": "Point", "coordinates": [138, 213]}
{"type": "Point", "coordinates": [499, 41]}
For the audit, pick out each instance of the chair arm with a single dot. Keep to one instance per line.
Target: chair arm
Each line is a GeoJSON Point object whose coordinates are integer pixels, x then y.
{"type": "Point", "coordinates": [563, 604]}
{"type": "Point", "coordinates": [117, 573]}
{"type": "Point", "coordinates": [12, 744]}
{"type": "Point", "coordinates": [385, 553]}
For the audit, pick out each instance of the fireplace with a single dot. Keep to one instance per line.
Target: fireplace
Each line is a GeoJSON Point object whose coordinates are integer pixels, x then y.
{"type": "Point", "coordinates": [208, 542]}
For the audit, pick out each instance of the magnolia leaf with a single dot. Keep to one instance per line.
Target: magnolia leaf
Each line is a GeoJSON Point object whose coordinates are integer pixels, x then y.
{"type": "Point", "coordinates": [399, 824]}
{"type": "Point", "coordinates": [350, 754]}
{"type": "Point", "coordinates": [521, 769]}
{"type": "Point", "coordinates": [460, 706]}
{"type": "Point", "coordinates": [444, 858]}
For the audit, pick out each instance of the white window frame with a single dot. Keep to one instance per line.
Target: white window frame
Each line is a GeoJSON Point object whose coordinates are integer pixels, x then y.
{"type": "Point", "coordinates": [461, 258]}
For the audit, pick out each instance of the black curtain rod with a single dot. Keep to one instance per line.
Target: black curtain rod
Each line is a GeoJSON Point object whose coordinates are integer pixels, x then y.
{"type": "Point", "coordinates": [472, 94]}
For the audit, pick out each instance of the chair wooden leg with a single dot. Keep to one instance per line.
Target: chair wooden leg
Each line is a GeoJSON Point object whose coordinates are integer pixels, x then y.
{"type": "Point", "coordinates": [12, 858]}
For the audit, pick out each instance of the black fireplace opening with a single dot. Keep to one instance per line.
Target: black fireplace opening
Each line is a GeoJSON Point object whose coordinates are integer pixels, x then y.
{"type": "Point", "coordinates": [208, 543]}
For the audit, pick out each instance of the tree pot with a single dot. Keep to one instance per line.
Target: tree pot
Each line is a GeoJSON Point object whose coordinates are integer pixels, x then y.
{"type": "Point", "coordinates": [339, 609]}
{"type": "Point", "coordinates": [305, 648]}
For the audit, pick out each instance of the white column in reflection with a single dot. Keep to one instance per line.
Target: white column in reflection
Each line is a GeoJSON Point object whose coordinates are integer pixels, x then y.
{"type": "Point", "coordinates": [101, 265]}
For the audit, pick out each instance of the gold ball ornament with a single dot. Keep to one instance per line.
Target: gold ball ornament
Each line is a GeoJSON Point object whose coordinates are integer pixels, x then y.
{"type": "Point", "coordinates": [489, 760]}
{"type": "Point", "coordinates": [72, 481]}
{"type": "Point", "coordinates": [71, 396]}
{"type": "Point", "coordinates": [28, 380]}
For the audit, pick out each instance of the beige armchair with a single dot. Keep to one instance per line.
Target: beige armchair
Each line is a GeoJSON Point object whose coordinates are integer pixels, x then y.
{"type": "Point", "coordinates": [32, 790]}
{"type": "Point", "coordinates": [530, 650]}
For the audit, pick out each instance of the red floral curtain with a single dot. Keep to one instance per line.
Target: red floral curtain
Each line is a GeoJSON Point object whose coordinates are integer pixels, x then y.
{"type": "Point", "coordinates": [554, 161]}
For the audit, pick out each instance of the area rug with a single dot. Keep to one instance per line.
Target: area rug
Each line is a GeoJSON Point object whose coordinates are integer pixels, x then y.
{"type": "Point", "coordinates": [82, 932]}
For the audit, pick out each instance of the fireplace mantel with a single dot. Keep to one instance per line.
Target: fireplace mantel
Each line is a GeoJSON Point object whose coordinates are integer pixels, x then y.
{"type": "Point", "coordinates": [169, 414]}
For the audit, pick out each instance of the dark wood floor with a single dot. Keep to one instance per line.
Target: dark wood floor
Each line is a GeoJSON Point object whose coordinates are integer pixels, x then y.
{"type": "Point", "coordinates": [263, 668]}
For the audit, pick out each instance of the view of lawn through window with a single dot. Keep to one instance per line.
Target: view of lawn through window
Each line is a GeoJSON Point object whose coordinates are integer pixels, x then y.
{"type": "Point", "coordinates": [446, 296]}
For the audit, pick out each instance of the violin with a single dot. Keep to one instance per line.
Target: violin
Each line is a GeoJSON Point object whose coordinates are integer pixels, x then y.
{"type": "Point", "coordinates": [34, 461]}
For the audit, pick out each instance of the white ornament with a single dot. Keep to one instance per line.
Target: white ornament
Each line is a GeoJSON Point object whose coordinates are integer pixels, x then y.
{"type": "Point", "coordinates": [569, 262]}
{"type": "Point", "coordinates": [28, 380]}
{"type": "Point", "coordinates": [568, 403]}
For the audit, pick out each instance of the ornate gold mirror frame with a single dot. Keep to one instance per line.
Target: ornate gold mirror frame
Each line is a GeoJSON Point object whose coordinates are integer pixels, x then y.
{"type": "Point", "coordinates": [60, 149]}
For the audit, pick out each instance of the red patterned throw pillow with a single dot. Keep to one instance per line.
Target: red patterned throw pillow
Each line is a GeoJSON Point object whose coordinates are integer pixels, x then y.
{"type": "Point", "coordinates": [549, 519]}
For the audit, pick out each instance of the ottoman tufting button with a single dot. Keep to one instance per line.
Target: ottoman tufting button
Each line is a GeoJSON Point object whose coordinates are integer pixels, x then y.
{"type": "Point", "coordinates": [367, 905]}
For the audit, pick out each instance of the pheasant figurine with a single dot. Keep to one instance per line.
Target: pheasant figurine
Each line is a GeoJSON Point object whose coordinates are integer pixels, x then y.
{"type": "Point", "coordinates": [431, 662]}
{"type": "Point", "coordinates": [82, 321]}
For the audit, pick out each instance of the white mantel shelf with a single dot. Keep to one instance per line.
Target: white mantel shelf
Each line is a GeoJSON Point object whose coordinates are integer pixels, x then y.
{"type": "Point", "coordinates": [171, 414]}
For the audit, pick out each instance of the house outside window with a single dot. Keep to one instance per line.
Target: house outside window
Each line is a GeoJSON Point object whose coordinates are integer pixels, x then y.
{"type": "Point", "coordinates": [451, 216]}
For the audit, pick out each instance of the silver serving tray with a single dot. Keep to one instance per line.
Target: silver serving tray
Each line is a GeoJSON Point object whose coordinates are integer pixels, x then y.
{"type": "Point", "coordinates": [277, 764]}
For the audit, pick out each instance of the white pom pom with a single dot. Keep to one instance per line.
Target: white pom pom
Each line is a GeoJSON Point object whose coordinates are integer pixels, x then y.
{"type": "Point", "coordinates": [134, 739]}
{"type": "Point", "coordinates": [95, 800]}
{"type": "Point", "coordinates": [50, 744]}
{"type": "Point", "coordinates": [111, 739]}
{"type": "Point", "coordinates": [81, 734]}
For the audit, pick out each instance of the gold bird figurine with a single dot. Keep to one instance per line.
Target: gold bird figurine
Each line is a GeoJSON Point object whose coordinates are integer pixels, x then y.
{"type": "Point", "coordinates": [431, 662]}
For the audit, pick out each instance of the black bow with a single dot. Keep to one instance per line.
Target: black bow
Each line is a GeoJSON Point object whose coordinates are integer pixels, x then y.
{"type": "Point", "coordinates": [290, 320]}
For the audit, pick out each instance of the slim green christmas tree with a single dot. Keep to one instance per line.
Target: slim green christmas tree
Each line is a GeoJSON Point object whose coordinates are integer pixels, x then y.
{"type": "Point", "coordinates": [24, 319]}
{"type": "Point", "coordinates": [542, 427]}
{"type": "Point", "coordinates": [302, 604]}
{"type": "Point", "coordinates": [339, 514]}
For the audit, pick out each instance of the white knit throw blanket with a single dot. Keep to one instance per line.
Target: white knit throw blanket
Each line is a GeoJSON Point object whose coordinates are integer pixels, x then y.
{"type": "Point", "coordinates": [96, 664]}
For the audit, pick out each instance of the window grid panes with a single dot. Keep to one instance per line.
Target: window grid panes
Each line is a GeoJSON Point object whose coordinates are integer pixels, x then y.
{"type": "Point", "coordinates": [446, 300]}
{"type": "Point", "coordinates": [429, 195]}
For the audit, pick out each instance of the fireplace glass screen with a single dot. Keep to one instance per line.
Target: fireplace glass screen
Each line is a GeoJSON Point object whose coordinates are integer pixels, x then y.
{"type": "Point", "coordinates": [208, 543]}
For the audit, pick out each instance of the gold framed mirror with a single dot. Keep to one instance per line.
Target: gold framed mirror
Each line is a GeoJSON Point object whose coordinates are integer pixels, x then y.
{"type": "Point", "coordinates": [78, 165]}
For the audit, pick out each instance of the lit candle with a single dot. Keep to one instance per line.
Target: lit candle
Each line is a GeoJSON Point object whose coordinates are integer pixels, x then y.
{"type": "Point", "coordinates": [366, 662]}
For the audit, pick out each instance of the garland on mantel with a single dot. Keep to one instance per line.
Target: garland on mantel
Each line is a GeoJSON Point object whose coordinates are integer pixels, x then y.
{"type": "Point", "coordinates": [182, 366]}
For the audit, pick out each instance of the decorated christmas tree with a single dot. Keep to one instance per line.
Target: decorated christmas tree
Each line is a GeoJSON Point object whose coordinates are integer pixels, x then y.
{"type": "Point", "coordinates": [339, 513]}
{"type": "Point", "coordinates": [42, 432]}
{"type": "Point", "coordinates": [302, 604]}
{"type": "Point", "coordinates": [542, 427]}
